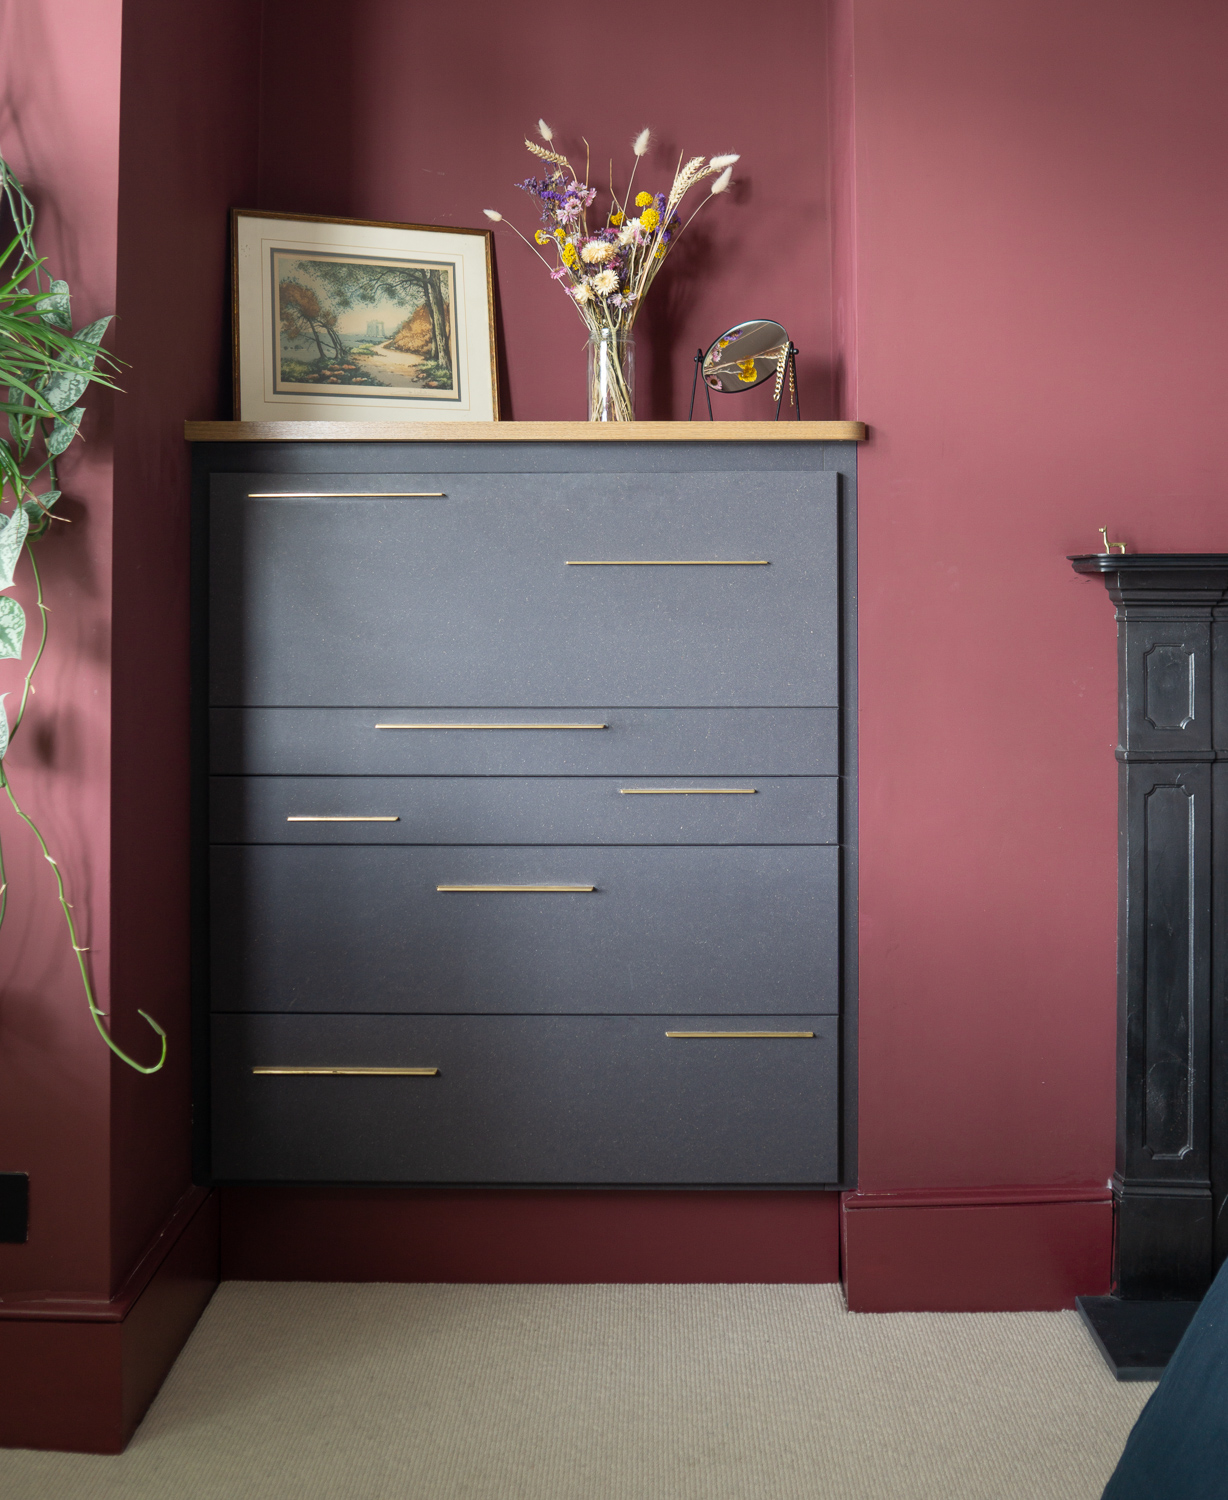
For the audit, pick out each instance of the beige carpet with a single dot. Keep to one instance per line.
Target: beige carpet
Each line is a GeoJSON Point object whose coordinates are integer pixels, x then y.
{"type": "Point", "coordinates": [297, 1391]}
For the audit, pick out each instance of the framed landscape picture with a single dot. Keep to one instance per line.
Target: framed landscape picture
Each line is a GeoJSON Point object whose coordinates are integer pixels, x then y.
{"type": "Point", "coordinates": [349, 320]}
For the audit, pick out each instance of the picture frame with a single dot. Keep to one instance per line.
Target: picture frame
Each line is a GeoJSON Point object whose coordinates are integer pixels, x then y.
{"type": "Point", "coordinates": [361, 320]}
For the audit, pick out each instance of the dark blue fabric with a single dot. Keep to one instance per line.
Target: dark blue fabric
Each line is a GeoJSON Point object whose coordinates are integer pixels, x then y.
{"type": "Point", "coordinates": [1178, 1449]}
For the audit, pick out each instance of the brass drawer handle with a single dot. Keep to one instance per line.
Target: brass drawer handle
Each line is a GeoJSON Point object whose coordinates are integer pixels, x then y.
{"type": "Point", "coordinates": [348, 495]}
{"type": "Point", "coordinates": [492, 726]}
{"type": "Point", "coordinates": [340, 818]}
{"type": "Point", "coordinates": [671, 562]}
{"type": "Point", "coordinates": [687, 791]}
{"type": "Point", "coordinates": [585, 889]}
{"type": "Point", "coordinates": [710, 1035]}
{"type": "Point", "coordinates": [347, 1072]}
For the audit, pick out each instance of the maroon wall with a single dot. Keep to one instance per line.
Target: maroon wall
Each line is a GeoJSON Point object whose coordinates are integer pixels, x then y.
{"type": "Point", "coordinates": [427, 128]}
{"type": "Point", "coordinates": [187, 154]}
{"type": "Point", "coordinates": [60, 133]}
{"type": "Point", "coordinates": [1029, 309]}
{"type": "Point", "coordinates": [424, 124]}
{"type": "Point", "coordinates": [132, 201]}
{"type": "Point", "coordinates": [1041, 324]}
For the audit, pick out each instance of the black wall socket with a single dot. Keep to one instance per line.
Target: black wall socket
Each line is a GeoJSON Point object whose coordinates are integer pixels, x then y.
{"type": "Point", "coordinates": [14, 1207]}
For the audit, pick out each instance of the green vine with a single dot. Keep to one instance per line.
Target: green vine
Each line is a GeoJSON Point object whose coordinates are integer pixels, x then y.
{"type": "Point", "coordinates": [46, 368]}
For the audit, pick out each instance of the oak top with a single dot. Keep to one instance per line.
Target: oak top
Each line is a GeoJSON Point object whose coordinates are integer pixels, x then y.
{"type": "Point", "coordinates": [524, 432]}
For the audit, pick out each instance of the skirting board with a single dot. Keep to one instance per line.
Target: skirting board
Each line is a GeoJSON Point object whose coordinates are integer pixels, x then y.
{"type": "Point", "coordinates": [1001, 1250]}
{"type": "Point", "coordinates": [78, 1377]}
{"type": "Point", "coordinates": [527, 1236]}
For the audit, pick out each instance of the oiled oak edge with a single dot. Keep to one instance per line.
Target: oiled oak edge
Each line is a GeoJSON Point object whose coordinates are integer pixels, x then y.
{"type": "Point", "coordinates": [524, 432]}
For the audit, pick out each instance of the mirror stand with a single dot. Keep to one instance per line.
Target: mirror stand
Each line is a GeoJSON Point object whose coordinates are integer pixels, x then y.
{"type": "Point", "coordinates": [699, 359]}
{"type": "Point", "coordinates": [790, 365]}
{"type": "Point", "coordinates": [744, 357]}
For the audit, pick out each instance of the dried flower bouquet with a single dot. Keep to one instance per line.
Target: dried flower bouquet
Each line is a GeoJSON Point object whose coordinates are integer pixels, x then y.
{"type": "Point", "coordinates": [607, 271]}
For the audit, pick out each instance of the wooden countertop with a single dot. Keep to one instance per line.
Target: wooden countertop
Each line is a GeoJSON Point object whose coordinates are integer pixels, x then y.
{"type": "Point", "coordinates": [524, 432]}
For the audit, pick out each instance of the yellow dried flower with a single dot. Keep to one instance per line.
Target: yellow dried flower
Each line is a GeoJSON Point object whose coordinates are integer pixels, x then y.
{"type": "Point", "coordinates": [649, 220]}
{"type": "Point", "coordinates": [642, 200]}
{"type": "Point", "coordinates": [746, 370]}
{"type": "Point", "coordinates": [542, 237]}
{"type": "Point", "coordinates": [616, 219]}
{"type": "Point", "coordinates": [660, 253]}
{"type": "Point", "coordinates": [568, 253]}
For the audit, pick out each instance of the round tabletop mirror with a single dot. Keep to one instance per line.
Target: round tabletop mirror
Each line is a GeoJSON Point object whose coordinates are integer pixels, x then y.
{"type": "Point", "coordinates": [748, 354]}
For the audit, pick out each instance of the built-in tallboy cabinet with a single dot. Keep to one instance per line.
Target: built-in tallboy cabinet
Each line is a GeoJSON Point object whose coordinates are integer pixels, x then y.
{"type": "Point", "coordinates": [525, 803]}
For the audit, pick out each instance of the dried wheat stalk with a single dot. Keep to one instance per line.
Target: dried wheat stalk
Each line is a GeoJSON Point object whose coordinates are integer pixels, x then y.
{"type": "Point", "coordinates": [560, 161]}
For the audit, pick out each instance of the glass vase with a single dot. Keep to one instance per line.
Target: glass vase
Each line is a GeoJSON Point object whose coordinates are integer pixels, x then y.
{"type": "Point", "coordinates": [611, 377]}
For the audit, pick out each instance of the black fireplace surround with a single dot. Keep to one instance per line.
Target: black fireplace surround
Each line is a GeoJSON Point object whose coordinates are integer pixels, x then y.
{"type": "Point", "coordinates": [1171, 1179]}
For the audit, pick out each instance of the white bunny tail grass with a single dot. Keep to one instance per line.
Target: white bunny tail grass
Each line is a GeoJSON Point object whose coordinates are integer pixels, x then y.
{"type": "Point", "coordinates": [545, 132]}
{"type": "Point", "coordinates": [493, 213]}
{"type": "Point", "coordinates": [722, 182]}
{"type": "Point", "coordinates": [642, 142]}
{"type": "Point", "coordinates": [718, 163]}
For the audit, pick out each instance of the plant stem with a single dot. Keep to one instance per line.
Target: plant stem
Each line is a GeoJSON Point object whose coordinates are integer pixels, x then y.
{"type": "Point", "coordinates": [38, 655]}
{"type": "Point", "coordinates": [97, 1014]}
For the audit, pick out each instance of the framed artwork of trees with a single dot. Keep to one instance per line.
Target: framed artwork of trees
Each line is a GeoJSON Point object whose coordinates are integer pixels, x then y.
{"type": "Point", "coordinates": [353, 320]}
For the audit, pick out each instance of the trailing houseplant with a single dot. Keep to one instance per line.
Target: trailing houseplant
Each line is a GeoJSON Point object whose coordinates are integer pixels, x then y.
{"type": "Point", "coordinates": [607, 269]}
{"type": "Point", "coordinates": [45, 368]}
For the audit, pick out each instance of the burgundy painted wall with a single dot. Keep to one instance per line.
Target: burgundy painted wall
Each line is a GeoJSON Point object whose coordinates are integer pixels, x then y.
{"type": "Point", "coordinates": [425, 125]}
{"type": "Point", "coordinates": [1030, 311]}
{"type": "Point", "coordinates": [132, 211]}
{"type": "Point", "coordinates": [1041, 324]}
{"type": "Point", "coordinates": [60, 132]}
{"type": "Point", "coordinates": [429, 130]}
{"type": "Point", "coordinates": [187, 154]}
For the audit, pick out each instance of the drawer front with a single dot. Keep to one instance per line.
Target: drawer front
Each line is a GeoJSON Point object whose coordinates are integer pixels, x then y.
{"type": "Point", "coordinates": [527, 588]}
{"type": "Point", "coordinates": [630, 742]}
{"type": "Point", "coordinates": [523, 810]}
{"type": "Point", "coordinates": [364, 928]}
{"type": "Point", "coordinates": [526, 1099]}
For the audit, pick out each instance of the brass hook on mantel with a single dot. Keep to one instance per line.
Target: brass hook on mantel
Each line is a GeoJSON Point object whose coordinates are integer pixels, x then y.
{"type": "Point", "coordinates": [1110, 546]}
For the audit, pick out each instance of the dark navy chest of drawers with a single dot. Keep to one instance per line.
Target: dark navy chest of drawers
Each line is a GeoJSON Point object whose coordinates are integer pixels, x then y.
{"type": "Point", "coordinates": [525, 793]}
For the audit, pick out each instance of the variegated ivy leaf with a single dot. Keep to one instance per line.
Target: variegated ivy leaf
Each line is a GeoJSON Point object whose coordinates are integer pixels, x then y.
{"type": "Point", "coordinates": [92, 332]}
{"type": "Point", "coordinates": [66, 387]}
{"type": "Point", "coordinates": [17, 423]}
{"type": "Point", "coordinates": [12, 539]}
{"type": "Point", "coordinates": [4, 728]}
{"type": "Point", "coordinates": [10, 470]}
{"type": "Point", "coordinates": [12, 628]}
{"type": "Point", "coordinates": [37, 508]}
{"type": "Point", "coordinates": [64, 431]}
{"type": "Point", "coordinates": [54, 308]}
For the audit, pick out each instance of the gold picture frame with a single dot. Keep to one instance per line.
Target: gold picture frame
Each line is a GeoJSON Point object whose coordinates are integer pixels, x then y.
{"type": "Point", "coordinates": [361, 320]}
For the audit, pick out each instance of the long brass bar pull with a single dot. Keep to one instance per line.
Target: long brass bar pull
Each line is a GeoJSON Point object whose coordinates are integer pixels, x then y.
{"type": "Point", "coordinates": [671, 562]}
{"type": "Point", "coordinates": [492, 726]}
{"type": "Point", "coordinates": [346, 1072]}
{"type": "Point", "coordinates": [540, 889]}
{"type": "Point", "coordinates": [687, 791]}
{"type": "Point", "coordinates": [349, 495]}
{"type": "Point", "coordinates": [339, 818]}
{"type": "Point", "coordinates": [760, 1035]}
